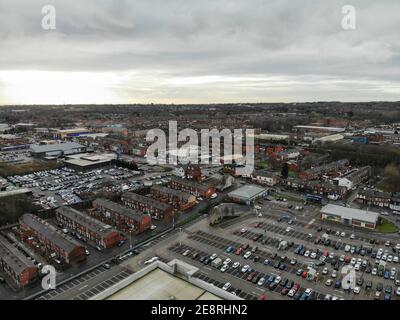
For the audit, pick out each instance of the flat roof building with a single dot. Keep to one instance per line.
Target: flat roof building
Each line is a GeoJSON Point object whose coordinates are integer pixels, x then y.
{"type": "Point", "coordinates": [350, 216]}
{"type": "Point", "coordinates": [247, 193]}
{"type": "Point", "coordinates": [165, 281]}
{"type": "Point", "coordinates": [87, 161]}
{"type": "Point", "coordinates": [56, 150]}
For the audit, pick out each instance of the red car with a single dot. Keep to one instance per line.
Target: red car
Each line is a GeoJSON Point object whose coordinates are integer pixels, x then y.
{"type": "Point", "coordinates": [251, 276]}
{"type": "Point", "coordinates": [347, 259]}
{"type": "Point", "coordinates": [245, 246]}
{"type": "Point", "coordinates": [296, 287]}
{"type": "Point", "coordinates": [239, 251]}
{"type": "Point", "coordinates": [261, 296]}
{"type": "Point", "coordinates": [258, 225]}
{"type": "Point", "coordinates": [284, 291]}
{"type": "Point", "coordinates": [304, 274]}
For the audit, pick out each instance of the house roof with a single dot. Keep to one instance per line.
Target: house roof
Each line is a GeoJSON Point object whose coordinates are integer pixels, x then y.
{"type": "Point", "coordinates": [14, 258]}
{"type": "Point", "coordinates": [88, 222]}
{"type": "Point", "coordinates": [127, 212]}
{"type": "Point", "coordinates": [49, 232]}
{"type": "Point", "coordinates": [146, 200]}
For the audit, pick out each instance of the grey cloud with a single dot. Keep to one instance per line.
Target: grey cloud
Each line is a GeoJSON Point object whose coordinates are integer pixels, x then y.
{"type": "Point", "coordinates": [186, 38]}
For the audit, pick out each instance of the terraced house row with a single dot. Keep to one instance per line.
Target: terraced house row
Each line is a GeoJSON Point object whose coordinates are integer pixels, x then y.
{"type": "Point", "coordinates": [157, 209]}
{"type": "Point", "coordinates": [87, 227]}
{"type": "Point", "coordinates": [52, 239]}
{"type": "Point", "coordinates": [176, 198]}
{"type": "Point", "coordinates": [16, 265]}
{"type": "Point", "coordinates": [194, 188]}
{"type": "Point", "coordinates": [123, 218]}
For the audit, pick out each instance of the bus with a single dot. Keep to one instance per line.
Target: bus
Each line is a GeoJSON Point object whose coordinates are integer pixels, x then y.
{"type": "Point", "coordinates": [313, 198]}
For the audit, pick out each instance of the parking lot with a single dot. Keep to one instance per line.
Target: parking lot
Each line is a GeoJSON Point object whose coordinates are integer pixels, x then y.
{"type": "Point", "coordinates": [308, 260]}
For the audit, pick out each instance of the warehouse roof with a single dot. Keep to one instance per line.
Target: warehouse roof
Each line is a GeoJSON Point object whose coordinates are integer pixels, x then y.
{"type": "Point", "coordinates": [49, 232]}
{"type": "Point", "coordinates": [351, 213]}
{"type": "Point", "coordinates": [37, 148]}
{"type": "Point", "coordinates": [247, 192]}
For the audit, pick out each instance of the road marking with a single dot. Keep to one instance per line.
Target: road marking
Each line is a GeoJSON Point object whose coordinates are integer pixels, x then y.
{"type": "Point", "coordinates": [309, 224]}
{"type": "Point", "coordinates": [81, 288]}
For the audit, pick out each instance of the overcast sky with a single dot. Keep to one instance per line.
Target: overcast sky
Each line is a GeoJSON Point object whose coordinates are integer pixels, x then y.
{"type": "Point", "coordinates": [198, 51]}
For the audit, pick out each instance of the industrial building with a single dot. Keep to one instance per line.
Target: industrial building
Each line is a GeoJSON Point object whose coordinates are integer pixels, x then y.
{"type": "Point", "coordinates": [51, 238]}
{"type": "Point", "coordinates": [350, 216]}
{"type": "Point", "coordinates": [70, 133]}
{"type": "Point", "coordinates": [247, 194]}
{"type": "Point", "coordinates": [87, 161]}
{"type": "Point", "coordinates": [56, 150]}
{"type": "Point", "coordinates": [177, 198]}
{"type": "Point", "coordinates": [87, 227]}
{"type": "Point", "coordinates": [124, 219]}
{"type": "Point", "coordinates": [157, 209]}
{"type": "Point", "coordinates": [16, 265]}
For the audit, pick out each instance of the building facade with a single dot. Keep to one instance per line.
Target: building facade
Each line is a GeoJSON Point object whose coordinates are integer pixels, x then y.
{"type": "Point", "coordinates": [123, 218]}
{"type": "Point", "coordinates": [87, 227]}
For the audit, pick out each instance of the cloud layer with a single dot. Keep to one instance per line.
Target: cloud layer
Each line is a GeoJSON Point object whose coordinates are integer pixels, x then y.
{"type": "Point", "coordinates": [200, 51]}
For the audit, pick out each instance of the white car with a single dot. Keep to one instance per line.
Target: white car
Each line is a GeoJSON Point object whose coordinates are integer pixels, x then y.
{"type": "Point", "coordinates": [334, 274]}
{"type": "Point", "coordinates": [278, 279]}
{"type": "Point", "coordinates": [186, 253]}
{"type": "Point", "coordinates": [343, 234]}
{"type": "Point", "coordinates": [396, 259]}
{"type": "Point", "coordinates": [356, 290]}
{"type": "Point", "coordinates": [226, 286]}
{"type": "Point", "coordinates": [374, 271]}
{"type": "Point", "coordinates": [247, 255]}
{"type": "Point", "coordinates": [213, 196]}
{"type": "Point", "coordinates": [288, 229]}
{"type": "Point", "coordinates": [245, 268]}
{"type": "Point", "coordinates": [398, 292]}
{"type": "Point", "coordinates": [325, 271]}
{"type": "Point", "coordinates": [353, 261]}
{"type": "Point", "coordinates": [213, 256]}
{"type": "Point", "coordinates": [308, 292]}
{"type": "Point", "coordinates": [227, 261]}
{"type": "Point", "coordinates": [224, 267]}
{"type": "Point", "coordinates": [313, 255]}
{"type": "Point", "coordinates": [331, 255]}
{"type": "Point", "coordinates": [352, 236]}
{"type": "Point", "coordinates": [236, 265]}
{"type": "Point", "coordinates": [243, 230]}
{"type": "Point", "coordinates": [390, 258]}
{"type": "Point", "coordinates": [261, 282]}
{"type": "Point", "coordinates": [151, 260]}
{"type": "Point", "coordinates": [307, 253]}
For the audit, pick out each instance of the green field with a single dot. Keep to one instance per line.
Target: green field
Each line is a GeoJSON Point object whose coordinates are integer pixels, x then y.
{"type": "Point", "coordinates": [386, 227]}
